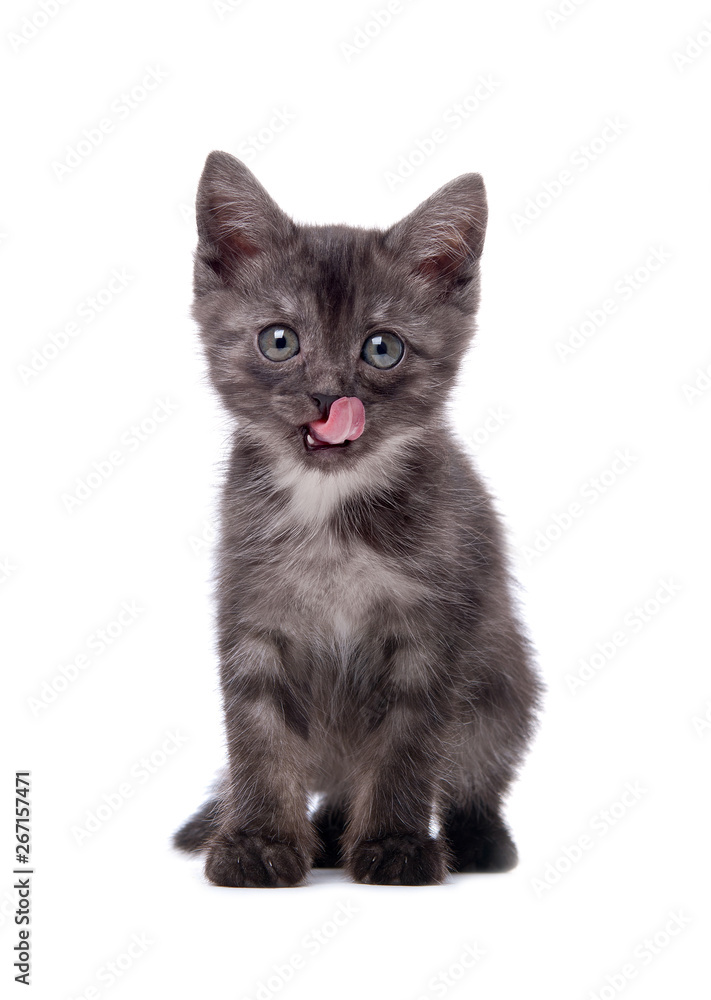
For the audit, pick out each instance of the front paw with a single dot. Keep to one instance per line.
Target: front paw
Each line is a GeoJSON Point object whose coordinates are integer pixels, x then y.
{"type": "Point", "coordinates": [255, 861]}
{"type": "Point", "coordinates": [399, 859]}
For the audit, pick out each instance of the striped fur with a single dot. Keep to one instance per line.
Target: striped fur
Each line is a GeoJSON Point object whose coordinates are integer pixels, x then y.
{"type": "Point", "coordinates": [370, 649]}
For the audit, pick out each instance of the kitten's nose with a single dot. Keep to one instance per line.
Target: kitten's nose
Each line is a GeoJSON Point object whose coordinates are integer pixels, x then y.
{"type": "Point", "coordinates": [323, 401]}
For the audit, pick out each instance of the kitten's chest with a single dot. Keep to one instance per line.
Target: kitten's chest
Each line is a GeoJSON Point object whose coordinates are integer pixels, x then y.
{"type": "Point", "coordinates": [335, 587]}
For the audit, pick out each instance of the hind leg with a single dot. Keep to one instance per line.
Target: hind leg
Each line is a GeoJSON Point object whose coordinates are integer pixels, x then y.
{"type": "Point", "coordinates": [479, 839]}
{"type": "Point", "coordinates": [330, 822]}
{"type": "Point", "coordinates": [492, 748]}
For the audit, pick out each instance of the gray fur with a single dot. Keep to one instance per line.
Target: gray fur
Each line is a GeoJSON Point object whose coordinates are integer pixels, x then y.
{"type": "Point", "coordinates": [370, 650]}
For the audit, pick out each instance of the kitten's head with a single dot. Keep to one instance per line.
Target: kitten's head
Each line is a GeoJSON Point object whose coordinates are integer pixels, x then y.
{"type": "Point", "coordinates": [294, 317]}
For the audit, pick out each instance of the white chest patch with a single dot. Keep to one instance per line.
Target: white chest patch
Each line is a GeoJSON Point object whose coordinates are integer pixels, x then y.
{"type": "Point", "coordinates": [336, 586]}
{"type": "Point", "coordinates": [337, 583]}
{"type": "Point", "coordinates": [314, 493]}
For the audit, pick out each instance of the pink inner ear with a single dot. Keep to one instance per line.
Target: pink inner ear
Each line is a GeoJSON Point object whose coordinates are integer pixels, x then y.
{"type": "Point", "coordinates": [238, 244]}
{"type": "Point", "coordinates": [231, 236]}
{"type": "Point", "coordinates": [451, 255]}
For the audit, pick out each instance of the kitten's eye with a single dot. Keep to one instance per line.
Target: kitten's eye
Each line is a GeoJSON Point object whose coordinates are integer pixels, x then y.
{"type": "Point", "coordinates": [278, 343]}
{"type": "Point", "coordinates": [382, 349]}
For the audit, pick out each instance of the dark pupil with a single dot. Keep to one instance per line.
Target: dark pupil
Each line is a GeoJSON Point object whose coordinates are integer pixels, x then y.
{"type": "Point", "coordinates": [280, 341]}
{"type": "Point", "coordinates": [381, 348]}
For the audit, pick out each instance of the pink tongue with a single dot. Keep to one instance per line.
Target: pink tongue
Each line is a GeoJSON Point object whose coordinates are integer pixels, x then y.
{"type": "Point", "coordinates": [346, 420]}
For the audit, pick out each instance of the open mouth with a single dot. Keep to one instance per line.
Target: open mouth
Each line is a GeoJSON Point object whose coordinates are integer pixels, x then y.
{"type": "Point", "coordinates": [312, 443]}
{"type": "Point", "coordinates": [343, 423]}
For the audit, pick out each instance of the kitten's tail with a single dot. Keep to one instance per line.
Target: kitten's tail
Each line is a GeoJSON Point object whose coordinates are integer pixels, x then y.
{"type": "Point", "coordinates": [194, 835]}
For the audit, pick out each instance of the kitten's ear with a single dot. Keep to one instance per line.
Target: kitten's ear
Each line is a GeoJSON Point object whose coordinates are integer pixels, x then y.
{"type": "Point", "coordinates": [444, 237]}
{"type": "Point", "coordinates": [236, 220]}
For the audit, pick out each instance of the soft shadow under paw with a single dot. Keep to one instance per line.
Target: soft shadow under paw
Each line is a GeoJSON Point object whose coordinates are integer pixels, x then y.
{"type": "Point", "coordinates": [253, 860]}
{"type": "Point", "coordinates": [399, 859]}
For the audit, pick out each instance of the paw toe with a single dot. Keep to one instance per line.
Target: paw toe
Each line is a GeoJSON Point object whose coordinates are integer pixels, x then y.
{"type": "Point", "coordinates": [399, 860]}
{"type": "Point", "coordinates": [256, 861]}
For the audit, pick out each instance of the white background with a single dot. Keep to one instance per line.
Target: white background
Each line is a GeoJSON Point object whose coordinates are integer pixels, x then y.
{"type": "Point", "coordinates": [636, 384]}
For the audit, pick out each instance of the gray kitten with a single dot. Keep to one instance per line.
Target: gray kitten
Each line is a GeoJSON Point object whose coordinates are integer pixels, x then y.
{"type": "Point", "coordinates": [370, 651]}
